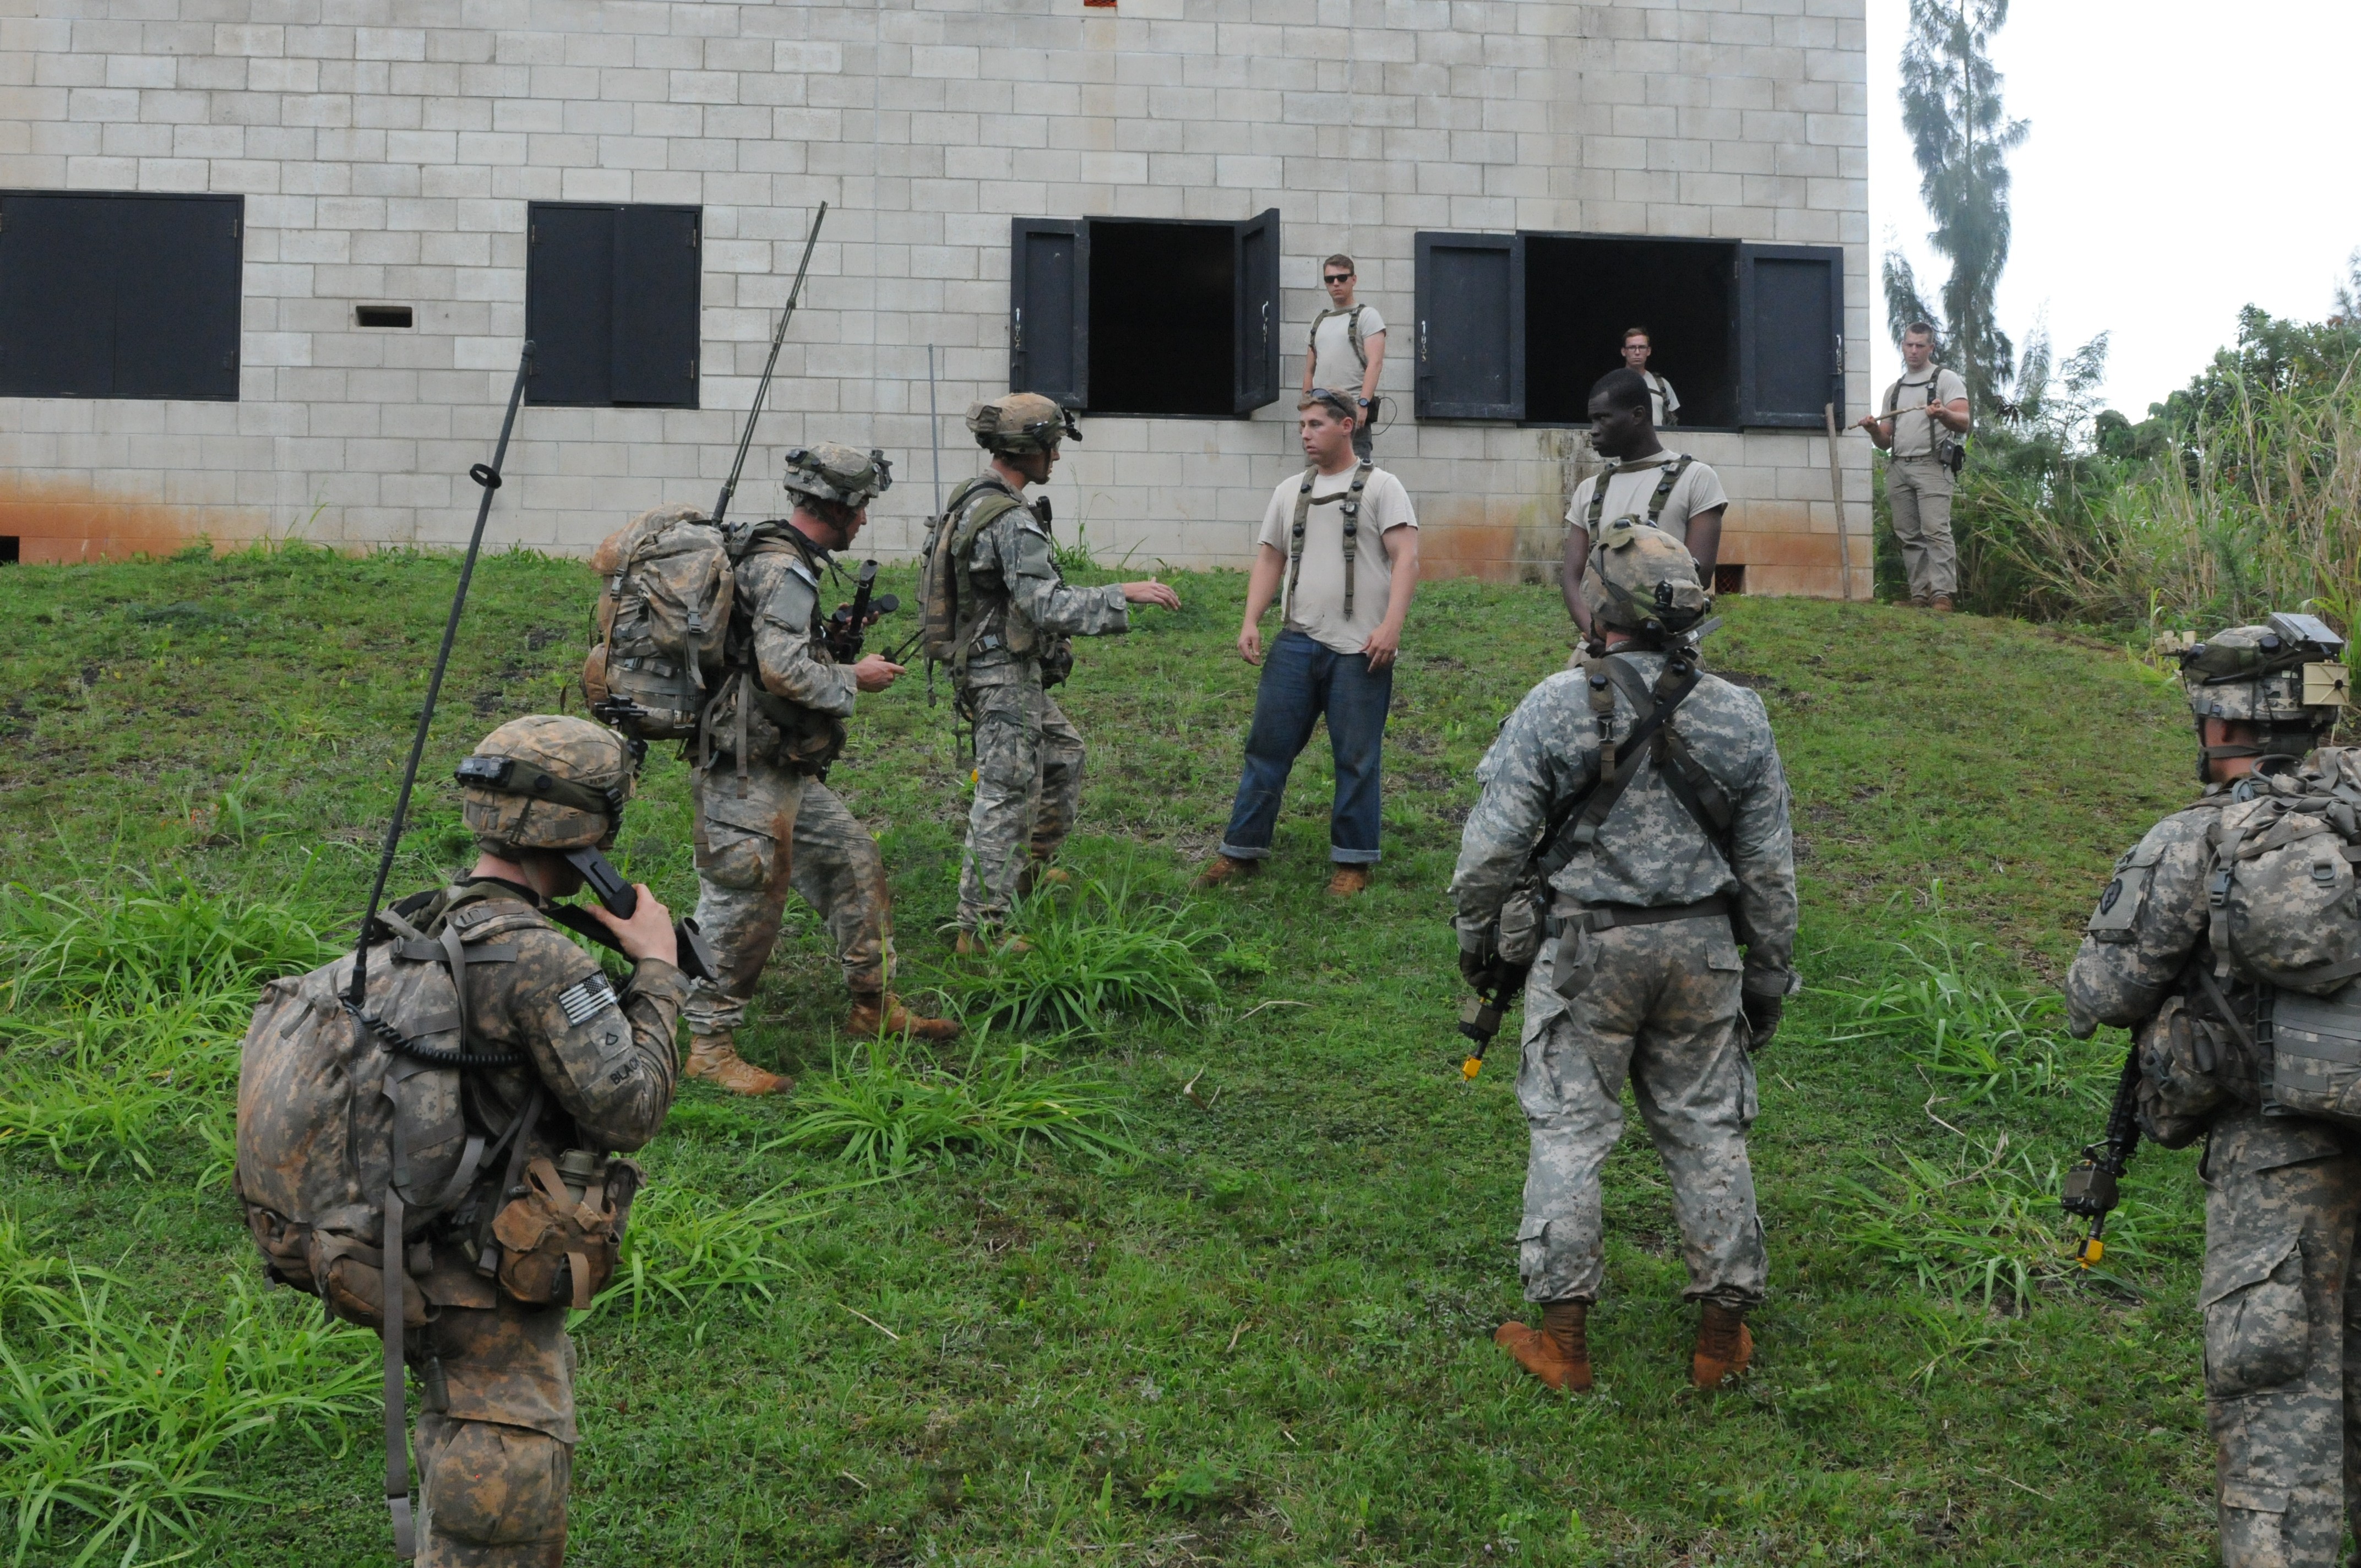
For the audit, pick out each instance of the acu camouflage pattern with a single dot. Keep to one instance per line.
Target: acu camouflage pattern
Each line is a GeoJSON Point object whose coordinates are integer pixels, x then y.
{"type": "Point", "coordinates": [1659, 1005]}
{"type": "Point", "coordinates": [796, 697]}
{"type": "Point", "coordinates": [1029, 754]}
{"type": "Point", "coordinates": [495, 1440]}
{"type": "Point", "coordinates": [788, 831]}
{"type": "Point", "coordinates": [2282, 1209]}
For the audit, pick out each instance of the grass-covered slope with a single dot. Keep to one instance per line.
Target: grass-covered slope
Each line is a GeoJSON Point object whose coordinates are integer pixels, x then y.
{"type": "Point", "coordinates": [1262, 1337]}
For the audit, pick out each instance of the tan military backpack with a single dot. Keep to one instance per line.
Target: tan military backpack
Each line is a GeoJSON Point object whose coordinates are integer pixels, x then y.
{"type": "Point", "coordinates": [664, 611]}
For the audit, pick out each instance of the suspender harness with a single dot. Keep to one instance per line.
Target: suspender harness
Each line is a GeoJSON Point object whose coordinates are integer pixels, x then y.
{"type": "Point", "coordinates": [1352, 314]}
{"type": "Point", "coordinates": [1351, 498]}
{"type": "Point", "coordinates": [1664, 486]}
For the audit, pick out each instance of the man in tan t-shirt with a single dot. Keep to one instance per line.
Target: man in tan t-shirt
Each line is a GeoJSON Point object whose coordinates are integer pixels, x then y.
{"type": "Point", "coordinates": [1346, 350]}
{"type": "Point", "coordinates": [1690, 508]}
{"type": "Point", "coordinates": [1924, 412]}
{"type": "Point", "coordinates": [1339, 547]}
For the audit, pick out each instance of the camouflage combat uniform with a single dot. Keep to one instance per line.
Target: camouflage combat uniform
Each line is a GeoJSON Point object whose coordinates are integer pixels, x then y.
{"type": "Point", "coordinates": [766, 822]}
{"type": "Point", "coordinates": [1656, 1002]}
{"type": "Point", "coordinates": [2281, 1289]}
{"type": "Point", "coordinates": [1028, 755]}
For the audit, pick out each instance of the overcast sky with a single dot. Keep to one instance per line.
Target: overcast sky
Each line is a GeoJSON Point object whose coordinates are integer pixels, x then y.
{"type": "Point", "coordinates": [2185, 160]}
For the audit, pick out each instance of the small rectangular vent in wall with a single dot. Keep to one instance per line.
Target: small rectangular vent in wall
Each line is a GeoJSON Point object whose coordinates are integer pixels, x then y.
{"type": "Point", "coordinates": [8, 549]}
{"type": "Point", "coordinates": [1730, 578]}
{"type": "Point", "coordinates": [382, 315]}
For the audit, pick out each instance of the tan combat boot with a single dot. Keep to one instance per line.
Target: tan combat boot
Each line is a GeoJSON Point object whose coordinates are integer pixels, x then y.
{"type": "Point", "coordinates": [1348, 880]}
{"type": "Point", "coordinates": [1040, 873]}
{"type": "Point", "coordinates": [1227, 868]}
{"type": "Point", "coordinates": [1723, 1346]}
{"type": "Point", "coordinates": [1940, 604]}
{"type": "Point", "coordinates": [881, 1013]}
{"type": "Point", "coordinates": [715, 1058]}
{"type": "Point", "coordinates": [1558, 1353]}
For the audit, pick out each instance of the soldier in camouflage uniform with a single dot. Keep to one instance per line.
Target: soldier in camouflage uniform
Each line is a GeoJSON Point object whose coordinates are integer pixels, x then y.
{"type": "Point", "coordinates": [1676, 852]}
{"type": "Point", "coordinates": [1015, 617]}
{"type": "Point", "coordinates": [495, 1436]}
{"type": "Point", "coordinates": [2281, 1291]}
{"type": "Point", "coordinates": [766, 820]}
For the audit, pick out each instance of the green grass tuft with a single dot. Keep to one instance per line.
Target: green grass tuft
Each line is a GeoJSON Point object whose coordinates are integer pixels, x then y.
{"type": "Point", "coordinates": [1096, 952]}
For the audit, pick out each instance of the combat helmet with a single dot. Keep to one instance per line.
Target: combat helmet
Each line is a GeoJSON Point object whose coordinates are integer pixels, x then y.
{"type": "Point", "coordinates": [838, 474]}
{"type": "Point", "coordinates": [1021, 422]}
{"type": "Point", "coordinates": [1642, 580]}
{"type": "Point", "coordinates": [2287, 678]}
{"type": "Point", "coordinates": [546, 781]}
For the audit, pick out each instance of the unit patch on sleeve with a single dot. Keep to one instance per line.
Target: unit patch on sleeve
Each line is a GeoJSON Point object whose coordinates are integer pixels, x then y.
{"type": "Point", "coordinates": [586, 999]}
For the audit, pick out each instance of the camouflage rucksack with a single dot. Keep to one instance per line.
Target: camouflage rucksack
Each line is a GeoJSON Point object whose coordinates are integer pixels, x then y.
{"type": "Point", "coordinates": [664, 610]}
{"type": "Point", "coordinates": [2280, 886]}
{"type": "Point", "coordinates": [946, 625]}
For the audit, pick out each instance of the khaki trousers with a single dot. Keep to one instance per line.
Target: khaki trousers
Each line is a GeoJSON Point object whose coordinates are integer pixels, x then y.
{"type": "Point", "coordinates": [1919, 490]}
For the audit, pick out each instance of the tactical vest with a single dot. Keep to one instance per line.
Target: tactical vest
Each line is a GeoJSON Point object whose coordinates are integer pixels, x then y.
{"type": "Point", "coordinates": [747, 718]}
{"type": "Point", "coordinates": [1663, 492]}
{"type": "Point", "coordinates": [985, 620]}
{"type": "Point", "coordinates": [1349, 498]}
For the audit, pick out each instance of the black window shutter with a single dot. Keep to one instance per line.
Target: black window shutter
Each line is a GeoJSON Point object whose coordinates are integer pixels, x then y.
{"type": "Point", "coordinates": [1471, 326]}
{"type": "Point", "coordinates": [1050, 309]}
{"type": "Point", "coordinates": [176, 296]}
{"type": "Point", "coordinates": [656, 306]}
{"type": "Point", "coordinates": [569, 304]}
{"type": "Point", "coordinates": [1790, 334]}
{"type": "Point", "coordinates": [105, 295]}
{"type": "Point", "coordinates": [1254, 356]}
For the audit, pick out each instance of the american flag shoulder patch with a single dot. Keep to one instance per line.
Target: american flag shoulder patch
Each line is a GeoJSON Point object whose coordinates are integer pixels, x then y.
{"type": "Point", "coordinates": [586, 999]}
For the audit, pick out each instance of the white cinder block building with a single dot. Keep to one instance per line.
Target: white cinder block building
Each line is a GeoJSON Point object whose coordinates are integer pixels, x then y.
{"type": "Point", "coordinates": [265, 265]}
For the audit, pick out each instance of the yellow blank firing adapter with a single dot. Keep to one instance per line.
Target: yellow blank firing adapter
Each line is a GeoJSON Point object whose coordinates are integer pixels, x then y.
{"type": "Point", "coordinates": [2091, 1250]}
{"type": "Point", "coordinates": [1471, 1068]}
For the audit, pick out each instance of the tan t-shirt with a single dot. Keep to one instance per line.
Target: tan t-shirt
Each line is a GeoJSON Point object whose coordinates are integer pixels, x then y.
{"type": "Point", "coordinates": [1316, 607]}
{"type": "Point", "coordinates": [1663, 401]}
{"type": "Point", "coordinates": [1335, 367]}
{"type": "Point", "coordinates": [1634, 486]}
{"type": "Point", "coordinates": [1914, 432]}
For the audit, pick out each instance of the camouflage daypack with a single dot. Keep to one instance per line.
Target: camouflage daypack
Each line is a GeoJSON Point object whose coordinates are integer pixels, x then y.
{"type": "Point", "coordinates": [664, 610]}
{"type": "Point", "coordinates": [2281, 888]}
{"type": "Point", "coordinates": [947, 623]}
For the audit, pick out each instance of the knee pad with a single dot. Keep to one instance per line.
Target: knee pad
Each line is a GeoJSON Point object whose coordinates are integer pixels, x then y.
{"type": "Point", "coordinates": [488, 1485]}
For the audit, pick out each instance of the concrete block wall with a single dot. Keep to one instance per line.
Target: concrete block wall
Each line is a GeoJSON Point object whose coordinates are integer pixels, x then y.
{"type": "Point", "coordinates": [387, 149]}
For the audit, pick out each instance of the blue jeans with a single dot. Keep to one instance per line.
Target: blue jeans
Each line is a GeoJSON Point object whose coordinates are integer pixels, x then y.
{"type": "Point", "coordinates": [1301, 681]}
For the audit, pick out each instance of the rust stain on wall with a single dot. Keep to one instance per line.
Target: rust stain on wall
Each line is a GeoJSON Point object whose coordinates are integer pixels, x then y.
{"type": "Point", "coordinates": [62, 522]}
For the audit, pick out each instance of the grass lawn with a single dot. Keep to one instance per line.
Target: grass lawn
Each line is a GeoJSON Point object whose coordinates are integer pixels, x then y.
{"type": "Point", "coordinates": [1264, 1338]}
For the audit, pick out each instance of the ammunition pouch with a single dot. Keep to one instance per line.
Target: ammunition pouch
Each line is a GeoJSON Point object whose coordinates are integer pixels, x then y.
{"type": "Point", "coordinates": [1523, 922]}
{"type": "Point", "coordinates": [561, 1237]}
{"type": "Point", "coordinates": [2189, 1069]}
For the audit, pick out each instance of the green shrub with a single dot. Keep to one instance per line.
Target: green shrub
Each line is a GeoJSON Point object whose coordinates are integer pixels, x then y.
{"type": "Point", "coordinates": [891, 1105]}
{"type": "Point", "coordinates": [172, 941]}
{"type": "Point", "coordinates": [1105, 951]}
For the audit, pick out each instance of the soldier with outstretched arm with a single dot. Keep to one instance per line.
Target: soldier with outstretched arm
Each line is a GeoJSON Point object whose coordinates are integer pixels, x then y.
{"type": "Point", "coordinates": [1672, 920]}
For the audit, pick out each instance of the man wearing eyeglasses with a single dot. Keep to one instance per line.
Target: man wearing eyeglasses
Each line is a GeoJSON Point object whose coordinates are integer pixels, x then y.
{"type": "Point", "coordinates": [1347, 349]}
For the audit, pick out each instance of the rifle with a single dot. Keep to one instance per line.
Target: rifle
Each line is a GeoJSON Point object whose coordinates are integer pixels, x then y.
{"type": "Point", "coordinates": [746, 438]}
{"type": "Point", "coordinates": [845, 630]}
{"type": "Point", "coordinates": [2091, 1186]}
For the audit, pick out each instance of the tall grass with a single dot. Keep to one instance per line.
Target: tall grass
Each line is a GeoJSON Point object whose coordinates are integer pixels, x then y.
{"type": "Point", "coordinates": [2258, 508]}
{"type": "Point", "coordinates": [890, 1106]}
{"type": "Point", "coordinates": [1105, 951]}
{"type": "Point", "coordinates": [684, 1246]}
{"type": "Point", "coordinates": [173, 940]}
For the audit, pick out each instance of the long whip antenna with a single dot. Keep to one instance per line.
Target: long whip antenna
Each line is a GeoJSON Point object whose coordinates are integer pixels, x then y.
{"type": "Point", "coordinates": [729, 489]}
{"type": "Point", "coordinates": [489, 476]}
{"type": "Point", "coordinates": [935, 428]}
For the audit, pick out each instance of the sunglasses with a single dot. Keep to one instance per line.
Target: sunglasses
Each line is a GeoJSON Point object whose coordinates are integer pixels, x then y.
{"type": "Point", "coordinates": [1335, 277]}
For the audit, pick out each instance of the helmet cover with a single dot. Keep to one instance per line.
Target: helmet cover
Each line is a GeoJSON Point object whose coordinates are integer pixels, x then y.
{"type": "Point", "coordinates": [546, 781]}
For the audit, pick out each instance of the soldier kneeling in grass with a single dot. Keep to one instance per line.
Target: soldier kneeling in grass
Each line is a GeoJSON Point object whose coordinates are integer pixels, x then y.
{"type": "Point", "coordinates": [1635, 809]}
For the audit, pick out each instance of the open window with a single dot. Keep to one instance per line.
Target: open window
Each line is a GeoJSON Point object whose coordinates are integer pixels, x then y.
{"type": "Point", "coordinates": [1134, 316]}
{"type": "Point", "coordinates": [1519, 326]}
{"type": "Point", "coordinates": [611, 296]}
{"type": "Point", "coordinates": [115, 295]}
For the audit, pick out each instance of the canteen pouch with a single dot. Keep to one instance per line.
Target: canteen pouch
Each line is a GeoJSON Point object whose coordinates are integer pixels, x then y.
{"type": "Point", "coordinates": [1522, 927]}
{"type": "Point", "coordinates": [2184, 1062]}
{"type": "Point", "coordinates": [560, 1240]}
{"type": "Point", "coordinates": [2317, 1055]}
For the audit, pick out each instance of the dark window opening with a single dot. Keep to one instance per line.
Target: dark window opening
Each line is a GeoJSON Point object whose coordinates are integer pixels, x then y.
{"type": "Point", "coordinates": [612, 304]}
{"type": "Point", "coordinates": [1729, 579]}
{"type": "Point", "coordinates": [382, 315]}
{"type": "Point", "coordinates": [1120, 316]}
{"type": "Point", "coordinates": [1581, 292]}
{"type": "Point", "coordinates": [1161, 336]}
{"type": "Point", "coordinates": [9, 550]}
{"type": "Point", "coordinates": [1519, 326]}
{"type": "Point", "coordinates": [117, 295]}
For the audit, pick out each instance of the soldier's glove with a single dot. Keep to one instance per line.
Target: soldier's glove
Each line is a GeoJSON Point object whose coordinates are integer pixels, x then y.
{"type": "Point", "coordinates": [1761, 1016]}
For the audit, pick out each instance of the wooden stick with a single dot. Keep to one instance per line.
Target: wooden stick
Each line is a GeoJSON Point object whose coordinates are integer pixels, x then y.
{"type": "Point", "coordinates": [1835, 490]}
